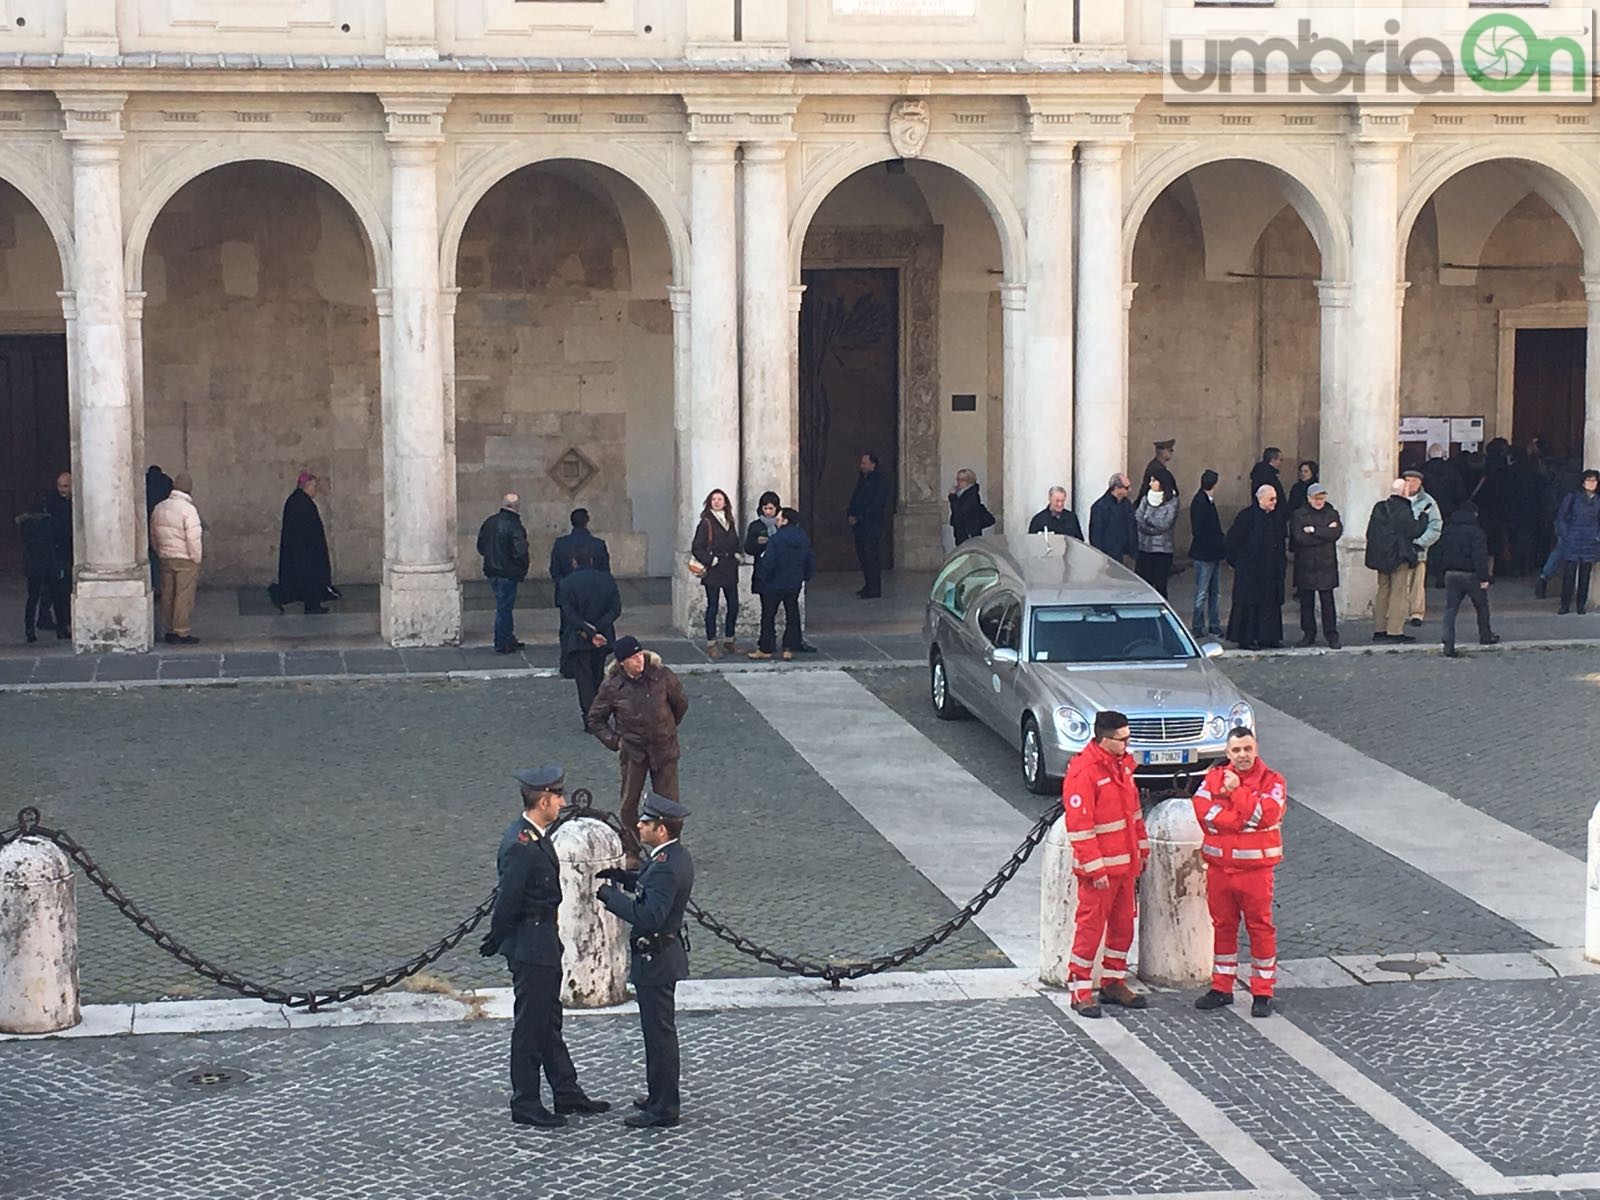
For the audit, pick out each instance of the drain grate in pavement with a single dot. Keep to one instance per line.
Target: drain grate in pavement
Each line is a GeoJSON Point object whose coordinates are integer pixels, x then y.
{"type": "Point", "coordinates": [210, 1078]}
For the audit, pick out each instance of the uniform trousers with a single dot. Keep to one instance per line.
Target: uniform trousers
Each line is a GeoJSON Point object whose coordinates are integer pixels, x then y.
{"type": "Point", "coordinates": [1102, 916]}
{"type": "Point", "coordinates": [1248, 894]}
{"type": "Point", "coordinates": [658, 1019]}
{"type": "Point", "coordinates": [1393, 605]}
{"type": "Point", "coordinates": [663, 782]}
{"type": "Point", "coordinates": [536, 1042]}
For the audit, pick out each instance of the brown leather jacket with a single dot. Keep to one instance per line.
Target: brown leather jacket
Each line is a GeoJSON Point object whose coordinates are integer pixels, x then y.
{"type": "Point", "coordinates": [640, 717]}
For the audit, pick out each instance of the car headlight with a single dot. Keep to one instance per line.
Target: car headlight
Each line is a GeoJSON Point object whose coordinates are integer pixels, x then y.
{"type": "Point", "coordinates": [1241, 714]}
{"type": "Point", "coordinates": [1072, 725]}
{"type": "Point", "coordinates": [1216, 729]}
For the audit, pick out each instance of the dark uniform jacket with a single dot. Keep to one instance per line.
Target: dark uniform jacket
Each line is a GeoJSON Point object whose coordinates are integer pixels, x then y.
{"type": "Point", "coordinates": [655, 909]}
{"type": "Point", "coordinates": [1316, 554]}
{"type": "Point", "coordinates": [869, 500]}
{"type": "Point", "coordinates": [1113, 529]}
{"type": "Point", "coordinates": [503, 542]}
{"type": "Point", "coordinates": [565, 546]}
{"type": "Point", "coordinates": [645, 711]}
{"type": "Point", "coordinates": [1065, 525]}
{"type": "Point", "coordinates": [1462, 546]}
{"type": "Point", "coordinates": [590, 603]}
{"type": "Point", "coordinates": [523, 924]}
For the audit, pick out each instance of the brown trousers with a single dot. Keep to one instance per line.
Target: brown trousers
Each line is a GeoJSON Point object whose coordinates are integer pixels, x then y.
{"type": "Point", "coordinates": [663, 782]}
{"type": "Point", "coordinates": [178, 579]}
{"type": "Point", "coordinates": [1393, 604]}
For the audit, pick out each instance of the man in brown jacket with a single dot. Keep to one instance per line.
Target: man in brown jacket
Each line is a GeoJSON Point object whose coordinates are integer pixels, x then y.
{"type": "Point", "coordinates": [637, 712]}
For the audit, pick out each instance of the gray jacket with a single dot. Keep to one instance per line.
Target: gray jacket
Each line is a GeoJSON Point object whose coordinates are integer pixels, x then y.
{"type": "Point", "coordinates": [1424, 505]}
{"type": "Point", "coordinates": [1155, 524]}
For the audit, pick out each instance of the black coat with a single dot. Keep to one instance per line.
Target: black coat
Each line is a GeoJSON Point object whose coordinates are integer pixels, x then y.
{"type": "Point", "coordinates": [1066, 524]}
{"type": "Point", "coordinates": [60, 509]}
{"type": "Point", "coordinates": [869, 502]}
{"type": "Point", "coordinates": [716, 547]}
{"type": "Point", "coordinates": [1442, 481]}
{"type": "Point", "coordinates": [503, 542]}
{"type": "Point", "coordinates": [1392, 533]}
{"type": "Point", "coordinates": [590, 603]}
{"type": "Point", "coordinates": [565, 546]}
{"type": "Point", "coordinates": [1263, 474]}
{"type": "Point", "coordinates": [788, 563]}
{"type": "Point", "coordinates": [1462, 546]}
{"type": "Point", "coordinates": [1206, 543]}
{"type": "Point", "coordinates": [523, 924]}
{"type": "Point", "coordinates": [39, 559]}
{"type": "Point", "coordinates": [1255, 552]}
{"type": "Point", "coordinates": [655, 907]}
{"type": "Point", "coordinates": [756, 536]}
{"type": "Point", "coordinates": [1316, 554]}
{"type": "Point", "coordinates": [968, 516]}
{"type": "Point", "coordinates": [304, 571]}
{"type": "Point", "coordinates": [157, 487]}
{"type": "Point", "coordinates": [1113, 530]}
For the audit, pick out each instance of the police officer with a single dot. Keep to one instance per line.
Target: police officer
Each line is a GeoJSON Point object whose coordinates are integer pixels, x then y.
{"type": "Point", "coordinates": [653, 902]}
{"type": "Point", "coordinates": [523, 928]}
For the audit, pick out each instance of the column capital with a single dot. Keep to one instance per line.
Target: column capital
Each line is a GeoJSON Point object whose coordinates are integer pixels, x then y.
{"type": "Point", "coordinates": [136, 305]}
{"type": "Point", "coordinates": [90, 117]}
{"type": "Point", "coordinates": [414, 120]}
{"type": "Point", "coordinates": [1591, 287]}
{"type": "Point", "coordinates": [711, 150]}
{"type": "Point", "coordinates": [769, 151]}
{"type": "Point", "coordinates": [1052, 149]}
{"type": "Point", "coordinates": [448, 298]}
{"type": "Point", "coordinates": [741, 119]}
{"type": "Point", "coordinates": [384, 298]}
{"type": "Point", "coordinates": [797, 293]}
{"type": "Point", "coordinates": [1333, 293]}
{"type": "Point", "coordinates": [1014, 296]}
{"type": "Point", "coordinates": [69, 305]}
{"type": "Point", "coordinates": [679, 297]}
{"type": "Point", "coordinates": [1102, 152]}
{"type": "Point", "coordinates": [1383, 128]}
{"type": "Point", "coordinates": [1127, 295]}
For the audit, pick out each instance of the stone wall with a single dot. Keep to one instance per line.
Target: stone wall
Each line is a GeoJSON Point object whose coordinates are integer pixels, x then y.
{"type": "Point", "coordinates": [261, 360]}
{"type": "Point", "coordinates": [558, 350]}
{"type": "Point", "coordinates": [30, 268]}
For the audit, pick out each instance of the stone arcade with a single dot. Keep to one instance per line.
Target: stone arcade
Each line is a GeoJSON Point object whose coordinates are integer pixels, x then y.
{"type": "Point", "coordinates": [697, 244]}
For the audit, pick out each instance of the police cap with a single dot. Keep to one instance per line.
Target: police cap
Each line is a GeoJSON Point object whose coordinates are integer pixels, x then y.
{"type": "Point", "coordinates": [659, 808]}
{"type": "Point", "coordinates": [1167, 445]}
{"type": "Point", "coordinates": [552, 777]}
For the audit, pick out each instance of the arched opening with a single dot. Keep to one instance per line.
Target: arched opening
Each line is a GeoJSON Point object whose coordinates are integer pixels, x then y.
{"type": "Point", "coordinates": [261, 360]}
{"type": "Point", "coordinates": [1224, 332]}
{"type": "Point", "coordinates": [35, 418]}
{"type": "Point", "coordinates": [901, 351]}
{"type": "Point", "coordinates": [564, 367]}
{"type": "Point", "coordinates": [1493, 346]}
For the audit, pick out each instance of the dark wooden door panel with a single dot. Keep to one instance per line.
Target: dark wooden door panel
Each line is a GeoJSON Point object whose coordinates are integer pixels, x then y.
{"type": "Point", "coordinates": [1547, 398]}
{"type": "Point", "coordinates": [34, 426]}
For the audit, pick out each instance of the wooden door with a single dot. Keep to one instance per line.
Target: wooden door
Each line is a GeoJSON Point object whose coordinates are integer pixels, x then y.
{"type": "Point", "coordinates": [1547, 398]}
{"type": "Point", "coordinates": [849, 400]}
{"type": "Point", "coordinates": [35, 437]}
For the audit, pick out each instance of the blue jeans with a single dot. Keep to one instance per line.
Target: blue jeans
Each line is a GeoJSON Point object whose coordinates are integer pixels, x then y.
{"type": "Point", "coordinates": [1552, 565]}
{"type": "Point", "coordinates": [1207, 587]}
{"type": "Point", "coordinates": [505, 598]}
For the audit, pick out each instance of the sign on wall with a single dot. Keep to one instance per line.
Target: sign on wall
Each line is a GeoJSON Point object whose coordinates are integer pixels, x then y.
{"type": "Point", "coordinates": [1437, 437]}
{"type": "Point", "coordinates": [905, 8]}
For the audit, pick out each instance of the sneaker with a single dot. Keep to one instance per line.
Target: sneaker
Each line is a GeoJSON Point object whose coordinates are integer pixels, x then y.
{"type": "Point", "coordinates": [1214, 999]}
{"type": "Point", "coordinates": [1261, 1006]}
{"type": "Point", "coordinates": [1401, 637]}
{"type": "Point", "coordinates": [171, 639]}
{"type": "Point", "coordinates": [187, 639]}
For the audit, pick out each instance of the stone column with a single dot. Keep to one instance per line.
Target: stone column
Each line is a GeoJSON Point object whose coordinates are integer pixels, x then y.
{"type": "Point", "coordinates": [38, 938]}
{"type": "Point", "coordinates": [1015, 392]}
{"type": "Point", "coordinates": [1359, 434]}
{"type": "Point", "coordinates": [422, 597]}
{"type": "Point", "coordinates": [1038, 422]}
{"type": "Point", "coordinates": [135, 319]}
{"type": "Point", "coordinates": [684, 589]}
{"type": "Point", "coordinates": [111, 601]}
{"type": "Point", "coordinates": [770, 420]}
{"type": "Point", "coordinates": [1591, 415]}
{"type": "Point", "coordinates": [1100, 442]}
{"type": "Point", "coordinates": [448, 298]}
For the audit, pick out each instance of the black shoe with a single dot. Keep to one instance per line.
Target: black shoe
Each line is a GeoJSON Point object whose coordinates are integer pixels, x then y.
{"type": "Point", "coordinates": [583, 1104]}
{"type": "Point", "coordinates": [32, 636]}
{"type": "Point", "coordinates": [1401, 637]}
{"type": "Point", "coordinates": [315, 610]}
{"type": "Point", "coordinates": [641, 1102]}
{"type": "Point", "coordinates": [543, 1119]}
{"type": "Point", "coordinates": [1492, 640]}
{"type": "Point", "coordinates": [505, 649]}
{"type": "Point", "coordinates": [1214, 999]}
{"type": "Point", "coordinates": [1333, 641]}
{"type": "Point", "coordinates": [870, 595]}
{"type": "Point", "coordinates": [1416, 622]}
{"type": "Point", "coordinates": [187, 639]}
{"type": "Point", "coordinates": [1563, 611]}
{"type": "Point", "coordinates": [1582, 608]}
{"type": "Point", "coordinates": [1306, 642]}
{"type": "Point", "coordinates": [1380, 636]}
{"type": "Point", "coordinates": [808, 648]}
{"type": "Point", "coordinates": [1087, 1009]}
{"type": "Point", "coordinates": [649, 1119]}
{"type": "Point", "coordinates": [1261, 1006]}
{"type": "Point", "coordinates": [171, 639]}
{"type": "Point", "coordinates": [1451, 652]}
{"type": "Point", "coordinates": [1541, 588]}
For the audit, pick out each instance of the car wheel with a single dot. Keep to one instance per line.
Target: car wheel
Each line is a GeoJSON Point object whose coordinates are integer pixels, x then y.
{"type": "Point", "coordinates": [939, 690]}
{"type": "Point", "coordinates": [1033, 759]}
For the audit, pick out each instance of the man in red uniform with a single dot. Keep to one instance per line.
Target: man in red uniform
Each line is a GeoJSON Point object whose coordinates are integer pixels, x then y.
{"type": "Point", "coordinates": [1109, 848]}
{"type": "Point", "coordinates": [1240, 807]}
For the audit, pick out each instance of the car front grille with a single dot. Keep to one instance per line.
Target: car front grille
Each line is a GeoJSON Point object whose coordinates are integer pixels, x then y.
{"type": "Point", "coordinates": [1159, 731]}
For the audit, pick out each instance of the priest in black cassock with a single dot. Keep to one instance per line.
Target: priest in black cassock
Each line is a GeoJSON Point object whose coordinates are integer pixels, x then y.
{"type": "Point", "coordinates": [305, 575]}
{"type": "Point", "coordinates": [1256, 554]}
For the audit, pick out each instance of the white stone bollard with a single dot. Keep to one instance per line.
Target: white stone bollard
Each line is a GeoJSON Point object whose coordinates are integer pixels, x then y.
{"type": "Point", "coordinates": [1591, 929]}
{"type": "Point", "coordinates": [1058, 911]}
{"type": "Point", "coordinates": [38, 939]}
{"type": "Point", "coordinates": [594, 964]}
{"type": "Point", "coordinates": [1174, 920]}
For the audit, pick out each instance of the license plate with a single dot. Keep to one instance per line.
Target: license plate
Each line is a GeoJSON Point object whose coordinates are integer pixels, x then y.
{"type": "Point", "coordinates": [1157, 758]}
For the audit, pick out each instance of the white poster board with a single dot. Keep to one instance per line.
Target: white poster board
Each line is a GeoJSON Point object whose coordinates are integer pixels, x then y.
{"type": "Point", "coordinates": [1467, 432]}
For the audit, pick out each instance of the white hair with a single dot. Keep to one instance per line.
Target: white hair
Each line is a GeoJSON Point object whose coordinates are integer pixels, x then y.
{"type": "Point", "coordinates": [510, 500]}
{"type": "Point", "coordinates": [1266, 489]}
{"type": "Point", "coordinates": [1058, 490]}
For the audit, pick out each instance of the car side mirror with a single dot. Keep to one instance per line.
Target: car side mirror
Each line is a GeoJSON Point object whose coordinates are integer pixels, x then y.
{"type": "Point", "coordinates": [1211, 649]}
{"type": "Point", "coordinates": [1002, 657]}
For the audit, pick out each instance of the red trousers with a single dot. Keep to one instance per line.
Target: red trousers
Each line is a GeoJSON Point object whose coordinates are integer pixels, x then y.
{"type": "Point", "coordinates": [1247, 894]}
{"type": "Point", "coordinates": [1102, 915]}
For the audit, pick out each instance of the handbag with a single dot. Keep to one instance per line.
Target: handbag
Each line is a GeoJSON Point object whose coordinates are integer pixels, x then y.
{"type": "Point", "coordinates": [696, 567]}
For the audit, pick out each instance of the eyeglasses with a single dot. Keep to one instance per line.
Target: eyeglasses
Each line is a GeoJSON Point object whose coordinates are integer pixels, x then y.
{"type": "Point", "coordinates": [1127, 737]}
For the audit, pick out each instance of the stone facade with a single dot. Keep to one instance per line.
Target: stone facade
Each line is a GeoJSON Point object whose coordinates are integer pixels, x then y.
{"type": "Point", "coordinates": [383, 242]}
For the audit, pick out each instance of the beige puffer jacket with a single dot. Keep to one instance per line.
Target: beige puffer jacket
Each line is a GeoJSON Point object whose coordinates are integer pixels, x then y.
{"type": "Point", "coordinates": [175, 528]}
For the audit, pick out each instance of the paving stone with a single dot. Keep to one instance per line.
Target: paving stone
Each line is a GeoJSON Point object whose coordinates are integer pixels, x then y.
{"type": "Point", "coordinates": [78, 668]}
{"type": "Point", "coordinates": [373, 662]}
{"type": "Point", "coordinates": [116, 668]}
{"type": "Point", "coordinates": [313, 662]}
{"type": "Point", "coordinates": [190, 666]}
{"type": "Point", "coordinates": [1504, 966]}
{"type": "Point", "coordinates": [16, 670]}
{"type": "Point", "coordinates": [252, 664]}
{"type": "Point", "coordinates": [433, 658]}
{"type": "Point", "coordinates": [1400, 968]}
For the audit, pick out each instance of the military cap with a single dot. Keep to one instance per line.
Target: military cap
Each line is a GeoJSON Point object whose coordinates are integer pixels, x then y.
{"type": "Point", "coordinates": [1168, 444]}
{"type": "Point", "coordinates": [659, 808]}
{"type": "Point", "coordinates": [552, 777]}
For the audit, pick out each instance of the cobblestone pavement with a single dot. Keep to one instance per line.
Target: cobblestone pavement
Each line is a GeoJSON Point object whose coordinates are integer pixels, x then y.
{"type": "Point", "coordinates": [314, 833]}
{"type": "Point", "coordinates": [986, 1099]}
{"type": "Point", "coordinates": [1511, 734]}
{"type": "Point", "coordinates": [1336, 894]}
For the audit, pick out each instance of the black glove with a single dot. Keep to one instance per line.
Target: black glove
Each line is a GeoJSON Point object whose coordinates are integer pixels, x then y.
{"type": "Point", "coordinates": [619, 875]}
{"type": "Point", "coordinates": [604, 890]}
{"type": "Point", "coordinates": [490, 946]}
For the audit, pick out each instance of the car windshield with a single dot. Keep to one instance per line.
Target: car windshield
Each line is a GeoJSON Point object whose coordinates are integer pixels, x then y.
{"type": "Point", "coordinates": [1107, 633]}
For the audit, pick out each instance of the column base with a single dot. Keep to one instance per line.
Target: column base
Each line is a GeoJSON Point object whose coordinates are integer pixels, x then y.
{"type": "Point", "coordinates": [113, 616]}
{"type": "Point", "coordinates": [1358, 585]}
{"type": "Point", "coordinates": [689, 610]}
{"type": "Point", "coordinates": [421, 606]}
{"type": "Point", "coordinates": [919, 537]}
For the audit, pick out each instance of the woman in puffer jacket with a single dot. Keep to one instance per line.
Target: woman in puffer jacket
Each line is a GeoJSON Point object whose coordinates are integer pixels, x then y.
{"type": "Point", "coordinates": [1578, 529]}
{"type": "Point", "coordinates": [1155, 517]}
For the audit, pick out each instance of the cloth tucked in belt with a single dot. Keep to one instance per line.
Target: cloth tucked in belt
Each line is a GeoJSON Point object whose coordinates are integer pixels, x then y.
{"type": "Point", "coordinates": [654, 943]}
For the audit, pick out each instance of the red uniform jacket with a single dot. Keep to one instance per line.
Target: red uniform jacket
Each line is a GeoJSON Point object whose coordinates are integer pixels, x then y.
{"type": "Point", "coordinates": [1103, 819]}
{"type": "Point", "coordinates": [1243, 828]}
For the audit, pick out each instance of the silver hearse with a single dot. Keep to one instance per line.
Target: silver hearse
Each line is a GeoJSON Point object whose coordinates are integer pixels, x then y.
{"type": "Point", "coordinates": [1035, 635]}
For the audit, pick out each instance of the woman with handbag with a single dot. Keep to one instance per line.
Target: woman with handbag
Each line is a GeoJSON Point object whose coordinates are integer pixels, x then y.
{"type": "Point", "coordinates": [714, 559]}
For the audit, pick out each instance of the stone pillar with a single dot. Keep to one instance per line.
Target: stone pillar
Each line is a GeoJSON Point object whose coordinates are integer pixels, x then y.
{"type": "Point", "coordinates": [1058, 912]}
{"type": "Point", "coordinates": [1015, 392]}
{"type": "Point", "coordinates": [422, 600]}
{"type": "Point", "coordinates": [1100, 444]}
{"type": "Point", "coordinates": [448, 298]}
{"type": "Point", "coordinates": [1038, 422]}
{"type": "Point", "coordinates": [111, 601]}
{"type": "Point", "coordinates": [1360, 433]}
{"type": "Point", "coordinates": [135, 319]}
{"type": "Point", "coordinates": [684, 587]}
{"type": "Point", "coordinates": [1174, 920]}
{"type": "Point", "coordinates": [594, 961]}
{"type": "Point", "coordinates": [1591, 414]}
{"type": "Point", "coordinates": [38, 939]}
{"type": "Point", "coordinates": [770, 419]}
{"type": "Point", "coordinates": [1591, 912]}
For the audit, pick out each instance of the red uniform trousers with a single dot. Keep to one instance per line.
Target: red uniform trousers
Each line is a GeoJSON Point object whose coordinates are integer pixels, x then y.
{"type": "Point", "coordinates": [1230, 895]}
{"type": "Point", "coordinates": [1102, 915]}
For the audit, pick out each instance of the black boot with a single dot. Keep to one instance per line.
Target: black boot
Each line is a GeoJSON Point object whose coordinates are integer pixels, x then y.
{"type": "Point", "coordinates": [1214, 999]}
{"type": "Point", "coordinates": [1261, 1006]}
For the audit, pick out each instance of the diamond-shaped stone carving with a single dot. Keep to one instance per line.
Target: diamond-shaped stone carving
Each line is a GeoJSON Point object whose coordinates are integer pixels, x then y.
{"type": "Point", "coordinates": [573, 470]}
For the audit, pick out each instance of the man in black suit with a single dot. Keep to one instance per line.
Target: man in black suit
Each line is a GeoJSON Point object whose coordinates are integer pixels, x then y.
{"type": "Point", "coordinates": [590, 604]}
{"type": "Point", "coordinates": [653, 902]}
{"type": "Point", "coordinates": [523, 928]}
{"type": "Point", "coordinates": [566, 546]}
{"type": "Point", "coordinates": [869, 506]}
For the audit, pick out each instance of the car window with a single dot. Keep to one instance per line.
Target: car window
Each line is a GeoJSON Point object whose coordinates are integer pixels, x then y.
{"type": "Point", "coordinates": [998, 620]}
{"type": "Point", "coordinates": [960, 582]}
{"type": "Point", "coordinates": [1011, 627]}
{"type": "Point", "coordinates": [1107, 633]}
